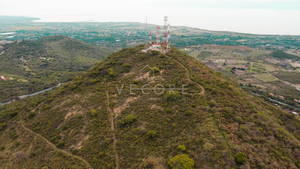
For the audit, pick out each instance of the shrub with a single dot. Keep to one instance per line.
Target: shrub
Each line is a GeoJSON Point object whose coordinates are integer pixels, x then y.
{"type": "Point", "coordinates": [79, 116]}
{"type": "Point", "coordinates": [154, 52]}
{"type": "Point", "coordinates": [60, 144]}
{"type": "Point", "coordinates": [216, 117]}
{"type": "Point", "coordinates": [172, 96]}
{"type": "Point", "coordinates": [189, 113]}
{"type": "Point", "coordinates": [181, 161]}
{"type": "Point", "coordinates": [212, 103]}
{"type": "Point", "coordinates": [2, 148]}
{"type": "Point", "coordinates": [194, 106]}
{"type": "Point", "coordinates": [168, 110]}
{"type": "Point", "coordinates": [181, 147]}
{"type": "Point", "coordinates": [93, 112]}
{"type": "Point", "coordinates": [208, 146]}
{"type": "Point", "coordinates": [111, 72]}
{"type": "Point", "coordinates": [238, 119]}
{"type": "Point", "coordinates": [2, 125]}
{"type": "Point", "coordinates": [76, 78]}
{"type": "Point", "coordinates": [13, 135]}
{"type": "Point", "coordinates": [126, 65]}
{"type": "Point", "coordinates": [65, 127]}
{"type": "Point", "coordinates": [151, 134]}
{"type": "Point", "coordinates": [240, 158]}
{"type": "Point", "coordinates": [47, 107]}
{"type": "Point", "coordinates": [111, 104]}
{"type": "Point", "coordinates": [155, 69]}
{"type": "Point", "coordinates": [228, 115]}
{"type": "Point", "coordinates": [129, 119]}
{"type": "Point", "coordinates": [120, 122]}
{"type": "Point", "coordinates": [31, 115]}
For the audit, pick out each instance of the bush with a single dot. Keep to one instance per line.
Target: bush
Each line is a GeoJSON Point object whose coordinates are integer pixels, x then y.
{"type": "Point", "coordinates": [2, 125]}
{"type": "Point", "coordinates": [129, 119]}
{"type": "Point", "coordinates": [240, 158]}
{"type": "Point", "coordinates": [47, 107]}
{"type": "Point", "coordinates": [151, 134]}
{"type": "Point", "coordinates": [168, 110]}
{"type": "Point", "coordinates": [154, 52]}
{"type": "Point", "coordinates": [93, 112]}
{"type": "Point", "coordinates": [208, 146]}
{"type": "Point", "coordinates": [111, 104]}
{"type": "Point", "coordinates": [189, 113]}
{"type": "Point", "coordinates": [181, 161]}
{"type": "Point", "coordinates": [60, 144]}
{"type": "Point", "coordinates": [126, 65]}
{"type": "Point", "coordinates": [65, 127]}
{"type": "Point", "coordinates": [13, 135]}
{"type": "Point", "coordinates": [181, 147]}
{"type": "Point", "coordinates": [155, 69]}
{"type": "Point", "coordinates": [172, 96]}
{"type": "Point", "coordinates": [238, 119]}
{"type": "Point", "coordinates": [31, 115]}
{"type": "Point", "coordinates": [212, 103]}
{"type": "Point", "coordinates": [111, 72]}
{"type": "Point", "coordinates": [79, 116]}
{"type": "Point", "coordinates": [2, 148]}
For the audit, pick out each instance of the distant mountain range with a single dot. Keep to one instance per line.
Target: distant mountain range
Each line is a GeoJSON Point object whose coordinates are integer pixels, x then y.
{"type": "Point", "coordinates": [35, 65]}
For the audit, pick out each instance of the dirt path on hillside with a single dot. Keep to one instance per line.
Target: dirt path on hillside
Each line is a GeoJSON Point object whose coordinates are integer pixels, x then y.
{"type": "Point", "coordinates": [113, 129]}
{"type": "Point", "coordinates": [188, 76]}
{"type": "Point", "coordinates": [57, 149]}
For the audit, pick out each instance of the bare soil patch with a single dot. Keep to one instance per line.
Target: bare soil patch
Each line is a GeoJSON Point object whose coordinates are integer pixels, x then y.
{"type": "Point", "coordinates": [211, 65]}
{"type": "Point", "coordinates": [75, 110]}
{"type": "Point", "coordinates": [231, 62]}
{"type": "Point", "coordinates": [118, 110]}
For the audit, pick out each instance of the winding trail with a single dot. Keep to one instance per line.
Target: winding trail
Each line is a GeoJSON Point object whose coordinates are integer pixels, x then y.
{"type": "Point", "coordinates": [202, 92]}
{"type": "Point", "coordinates": [113, 129]}
{"type": "Point", "coordinates": [54, 147]}
{"type": "Point", "coordinates": [188, 76]}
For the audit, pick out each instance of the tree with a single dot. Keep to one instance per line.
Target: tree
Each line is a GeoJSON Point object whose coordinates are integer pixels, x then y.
{"type": "Point", "coordinates": [181, 161]}
{"type": "Point", "coordinates": [240, 158]}
{"type": "Point", "coordinates": [129, 119]}
{"type": "Point", "coordinates": [172, 95]}
{"type": "Point", "coordinates": [151, 134]}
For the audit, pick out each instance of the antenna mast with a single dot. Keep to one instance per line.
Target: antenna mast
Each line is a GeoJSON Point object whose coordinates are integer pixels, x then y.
{"type": "Point", "coordinates": [157, 35]}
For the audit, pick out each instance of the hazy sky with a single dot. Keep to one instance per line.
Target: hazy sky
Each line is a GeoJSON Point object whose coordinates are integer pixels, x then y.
{"type": "Point", "coordinates": [248, 16]}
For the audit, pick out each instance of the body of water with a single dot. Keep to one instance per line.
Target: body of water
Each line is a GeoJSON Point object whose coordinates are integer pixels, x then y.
{"type": "Point", "coordinates": [8, 33]}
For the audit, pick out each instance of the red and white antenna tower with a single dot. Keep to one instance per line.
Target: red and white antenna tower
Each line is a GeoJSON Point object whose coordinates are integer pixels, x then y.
{"type": "Point", "coordinates": [157, 35]}
{"type": "Point", "coordinates": [168, 37]}
{"type": "Point", "coordinates": [165, 32]}
{"type": "Point", "coordinates": [150, 39]}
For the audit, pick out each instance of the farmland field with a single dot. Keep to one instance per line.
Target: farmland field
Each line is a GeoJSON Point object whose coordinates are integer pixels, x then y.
{"type": "Point", "coordinates": [231, 62]}
{"type": "Point", "coordinates": [195, 53]}
{"type": "Point", "coordinates": [242, 62]}
{"type": "Point", "coordinates": [266, 77]}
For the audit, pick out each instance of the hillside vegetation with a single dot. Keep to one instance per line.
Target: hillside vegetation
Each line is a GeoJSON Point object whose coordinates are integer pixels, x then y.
{"type": "Point", "coordinates": [213, 123]}
{"type": "Point", "coordinates": [35, 65]}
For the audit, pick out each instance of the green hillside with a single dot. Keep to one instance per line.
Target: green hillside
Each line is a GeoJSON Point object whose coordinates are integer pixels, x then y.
{"type": "Point", "coordinates": [35, 65]}
{"type": "Point", "coordinates": [102, 119]}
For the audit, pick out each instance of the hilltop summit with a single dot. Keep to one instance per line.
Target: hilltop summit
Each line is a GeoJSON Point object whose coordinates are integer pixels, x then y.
{"type": "Point", "coordinates": [149, 110]}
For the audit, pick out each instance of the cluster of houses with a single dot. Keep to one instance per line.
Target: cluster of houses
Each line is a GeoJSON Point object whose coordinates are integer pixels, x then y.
{"type": "Point", "coordinates": [3, 78]}
{"type": "Point", "coordinates": [280, 97]}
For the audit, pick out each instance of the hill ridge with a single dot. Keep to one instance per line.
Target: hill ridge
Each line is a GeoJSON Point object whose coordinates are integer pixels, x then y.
{"type": "Point", "coordinates": [216, 124]}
